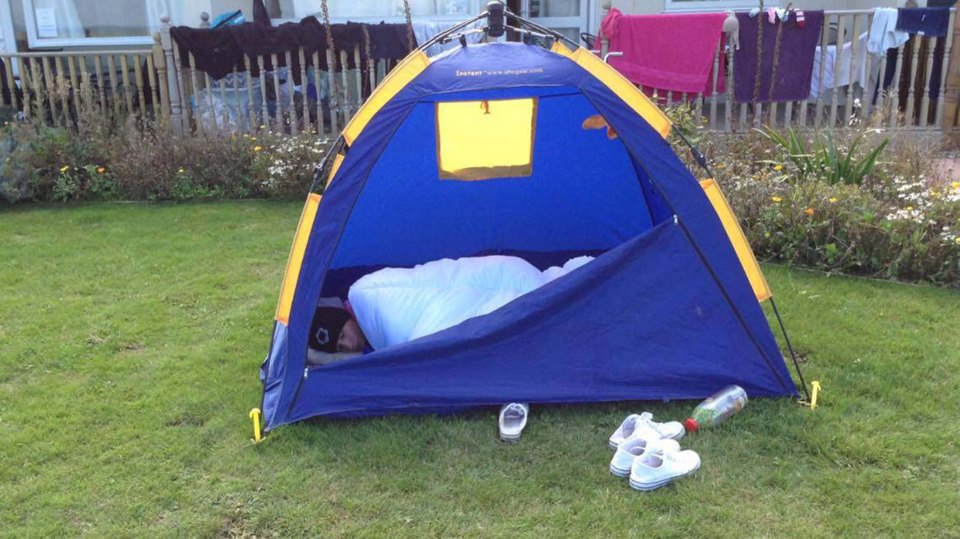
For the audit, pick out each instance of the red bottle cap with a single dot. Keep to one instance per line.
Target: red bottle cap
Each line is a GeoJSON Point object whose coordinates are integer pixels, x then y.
{"type": "Point", "coordinates": [690, 424]}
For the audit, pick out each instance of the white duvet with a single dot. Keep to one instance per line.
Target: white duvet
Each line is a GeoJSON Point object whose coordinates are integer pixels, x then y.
{"type": "Point", "coordinates": [396, 305]}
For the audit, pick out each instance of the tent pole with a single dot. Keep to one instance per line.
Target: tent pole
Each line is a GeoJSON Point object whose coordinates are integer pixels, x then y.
{"type": "Point", "coordinates": [446, 35]}
{"type": "Point", "coordinates": [320, 170]}
{"type": "Point", "coordinates": [796, 362]}
{"type": "Point", "coordinates": [439, 38]}
{"type": "Point", "coordinates": [726, 294]}
{"type": "Point", "coordinates": [552, 33]}
{"type": "Point", "coordinates": [697, 154]}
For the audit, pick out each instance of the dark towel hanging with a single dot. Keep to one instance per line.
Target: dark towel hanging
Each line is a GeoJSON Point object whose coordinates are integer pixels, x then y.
{"type": "Point", "coordinates": [218, 51]}
{"type": "Point", "coordinates": [215, 51]}
{"type": "Point", "coordinates": [388, 41]}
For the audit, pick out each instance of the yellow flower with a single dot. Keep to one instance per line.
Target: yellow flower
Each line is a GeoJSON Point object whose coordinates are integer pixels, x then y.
{"type": "Point", "coordinates": [778, 168]}
{"type": "Point", "coordinates": [64, 169]}
{"type": "Point", "coordinates": [955, 185]}
{"type": "Point", "coordinates": [832, 200]}
{"type": "Point", "coordinates": [101, 170]}
{"type": "Point", "coordinates": [957, 241]}
{"type": "Point", "coordinates": [180, 170]}
{"type": "Point", "coordinates": [257, 148]}
{"type": "Point", "coordinates": [909, 208]}
{"type": "Point", "coordinates": [776, 199]}
{"type": "Point", "coordinates": [808, 211]}
{"type": "Point", "coordinates": [766, 234]}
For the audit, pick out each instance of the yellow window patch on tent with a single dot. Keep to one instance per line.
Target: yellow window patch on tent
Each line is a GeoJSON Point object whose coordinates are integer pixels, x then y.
{"type": "Point", "coordinates": [732, 227]}
{"type": "Point", "coordinates": [479, 140]}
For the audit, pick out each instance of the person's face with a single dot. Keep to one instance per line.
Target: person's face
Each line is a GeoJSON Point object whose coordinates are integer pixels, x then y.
{"type": "Point", "coordinates": [351, 338]}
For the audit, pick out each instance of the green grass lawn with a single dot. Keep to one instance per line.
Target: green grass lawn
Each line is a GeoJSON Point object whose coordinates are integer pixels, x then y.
{"type": "Point", "coordinates": [130, 341]}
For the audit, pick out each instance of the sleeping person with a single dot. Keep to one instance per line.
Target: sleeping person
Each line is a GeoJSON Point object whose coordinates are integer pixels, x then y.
{"type": "Point", "coordinates": [396, 305]}
{"type": "Point", "coordinates": [334, 334]}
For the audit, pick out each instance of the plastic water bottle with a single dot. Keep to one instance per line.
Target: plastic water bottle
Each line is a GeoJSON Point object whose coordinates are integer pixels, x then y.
{"type": "Point", "coordinates": [716, 409]}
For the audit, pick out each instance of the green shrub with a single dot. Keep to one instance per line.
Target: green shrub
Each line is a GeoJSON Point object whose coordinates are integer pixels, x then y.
{"type": "Point", "coordinates": [90, 182]}
{"type": "Point", "coordinates": [102, 158]}
{"type": "Point", "coordinates": [36, 156]}
{"type": "Point", "coordinates": [824, 159]}
{"type": "Point", "coordinates": [15, 183]}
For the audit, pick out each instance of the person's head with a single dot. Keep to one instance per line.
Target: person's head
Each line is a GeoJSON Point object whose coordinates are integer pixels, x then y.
{"type": "Point", "coordinates": [333, 330]}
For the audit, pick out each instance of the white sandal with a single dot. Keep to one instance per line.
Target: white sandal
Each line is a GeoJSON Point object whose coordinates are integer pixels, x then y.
{"type": "Point", "coordinates": [513, 418]}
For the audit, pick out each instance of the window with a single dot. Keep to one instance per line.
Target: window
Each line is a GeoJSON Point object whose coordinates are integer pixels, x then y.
{"type": "Point", "coordinates": [555, 8]}
{"type": "Point", "coordinates": [714, 5]}
{"type": "Point", "coordinates": [69, 23]}
{"type": "Point", "coordinates": [568, 17]}
{"type": "Point", "coordinates": [390, 10]}
{"type": "Point", "coordinates": [480, 140]}
{"type": "Point", "coordinates": [8, 43]}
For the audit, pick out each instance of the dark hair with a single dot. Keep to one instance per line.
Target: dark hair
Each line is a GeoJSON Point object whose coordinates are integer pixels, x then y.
{"type": "Point", "coordinates": [325, 330]}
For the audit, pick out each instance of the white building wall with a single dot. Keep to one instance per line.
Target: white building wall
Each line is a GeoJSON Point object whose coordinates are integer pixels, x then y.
{"type": "Point", "coordinates": [181, 12]}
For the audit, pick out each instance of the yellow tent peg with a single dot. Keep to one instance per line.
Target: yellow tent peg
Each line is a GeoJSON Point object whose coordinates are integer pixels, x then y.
{"type": "Point", "coordinates": [255, 416]}
{"type": "Point", "coordinates": [815, 391]}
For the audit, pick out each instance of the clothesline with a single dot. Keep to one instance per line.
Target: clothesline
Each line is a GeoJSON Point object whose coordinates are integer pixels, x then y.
{"type": "Point", "coordinates": [220, 51]}
{"type": "Point", "coordinates": [657, 54]}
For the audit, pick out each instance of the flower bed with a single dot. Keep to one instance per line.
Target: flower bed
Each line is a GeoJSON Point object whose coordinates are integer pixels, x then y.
{"type": "Point", "coordinates": [901, 219]}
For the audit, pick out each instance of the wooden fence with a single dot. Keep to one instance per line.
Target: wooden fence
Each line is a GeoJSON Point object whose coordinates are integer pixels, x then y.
{"type": "Point", "coordinates": [157, 83]}
{"type": "Point", "coordinates": [53, 87]}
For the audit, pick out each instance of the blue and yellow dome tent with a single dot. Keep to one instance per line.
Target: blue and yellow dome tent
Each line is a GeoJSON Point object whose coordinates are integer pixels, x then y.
{"type": "Point", "coordinates": [512, 148]}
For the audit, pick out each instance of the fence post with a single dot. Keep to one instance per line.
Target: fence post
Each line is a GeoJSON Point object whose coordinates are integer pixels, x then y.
{"type": "Point", "coordinates": [950, 92]}
{"type": "Point", "coordinates": [172, 82]}
{"type": "Point", "coordinates": [159, 88]}
{"type": "Point", "coordinates": [604, 42]}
